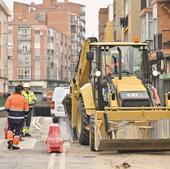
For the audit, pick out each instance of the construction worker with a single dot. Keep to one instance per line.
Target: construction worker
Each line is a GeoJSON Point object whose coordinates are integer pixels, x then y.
{"type": "Point", "coordinates": [16, 106]}
{"type": "Point", "coordinates": [31, 101]}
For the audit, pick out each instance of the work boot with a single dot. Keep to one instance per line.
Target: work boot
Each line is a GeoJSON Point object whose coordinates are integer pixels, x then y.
{"type": "Point", "coordinates": [27, 135]}
{"type": "Point", "coordinates": [15, 147]}
{"type": "Point", "coordinates": [10, 143]}
{"type": "Point", "coordinates": [21, 139]}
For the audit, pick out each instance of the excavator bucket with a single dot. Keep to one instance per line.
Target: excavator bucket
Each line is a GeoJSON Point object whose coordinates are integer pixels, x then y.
{"type": "Point", "coordinates": [150, 134]}
{"type": "Point", "coordinates": [134, 144]}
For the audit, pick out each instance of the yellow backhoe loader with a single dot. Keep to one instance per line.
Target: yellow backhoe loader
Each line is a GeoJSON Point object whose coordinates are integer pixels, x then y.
{"type": "Point", "coordinates": [114, 105]}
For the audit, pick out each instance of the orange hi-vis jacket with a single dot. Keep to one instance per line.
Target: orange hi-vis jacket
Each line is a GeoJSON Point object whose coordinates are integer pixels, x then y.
{"type": "Point", "coordinates": [17, 106]}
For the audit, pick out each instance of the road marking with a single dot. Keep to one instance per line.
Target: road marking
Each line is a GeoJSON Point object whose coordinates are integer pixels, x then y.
{"type": "Point", "coordinates": [2, 141]}
{"type": "Point", "coordinates": [61, 158]}
{"type": "Point", "coordinates": [52, 161]}
{"type": "Point", "coordinates": [38, 124]}
{"type": "Point", "coordinates": [28, 143]}
{"type": "Point", "coordinates": [35, 123]}
{"type": "Point", "coordinates": [66, 145]}
{"type": "Point", "coordinates": [62, 161]}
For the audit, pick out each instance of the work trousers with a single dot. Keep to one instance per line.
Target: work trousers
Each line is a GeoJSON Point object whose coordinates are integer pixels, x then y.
{"type": "Point", "coordinates": [28, 118]}
{"type": "Point", "coordinates": [15, 126]}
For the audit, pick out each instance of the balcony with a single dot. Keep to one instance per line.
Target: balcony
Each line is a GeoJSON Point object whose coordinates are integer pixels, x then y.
{"type": "Point", "coordinates": [164, 76]}
{"type": "Point", "coordinates": [24, 37]}
{"type": "Point", "coordinates": [145, 11]}
{"type": "Point", "coordinates": [82, 13]}
{"type": "Point", "coordinates": [166, 39]}
{"type": "Point", "coordinates": [74, 22]}
{"type": "Point", "coordinates": [21, 51]}
{"type": "Point", "coordinates": [162, 43]}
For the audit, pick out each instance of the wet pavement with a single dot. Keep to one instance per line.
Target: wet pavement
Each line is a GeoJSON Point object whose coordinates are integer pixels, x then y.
{"type": "Point", "coordinates": [33, 153]}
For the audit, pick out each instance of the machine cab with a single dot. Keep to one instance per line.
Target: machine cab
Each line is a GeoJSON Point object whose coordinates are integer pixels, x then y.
{"type": "Point", "coordinates": [121, 66]}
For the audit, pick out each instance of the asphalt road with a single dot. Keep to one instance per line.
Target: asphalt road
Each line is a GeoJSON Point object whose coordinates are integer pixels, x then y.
{"type": "Point", "coordinates": [33, 153]}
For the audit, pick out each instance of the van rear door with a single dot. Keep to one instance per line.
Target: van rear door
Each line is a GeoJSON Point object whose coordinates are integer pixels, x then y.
{"type": "Point", "coordinates": [58, 96]}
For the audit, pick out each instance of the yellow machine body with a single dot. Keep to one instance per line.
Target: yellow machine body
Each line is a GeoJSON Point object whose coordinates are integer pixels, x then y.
{"type": "Point", "coordinates": [126, 118]}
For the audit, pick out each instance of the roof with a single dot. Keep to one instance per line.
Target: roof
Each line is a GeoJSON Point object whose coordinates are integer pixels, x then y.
{"type": "Point", "coordinates": [118, 44]}
{"type": "Point", "coordinates": [4, 7]}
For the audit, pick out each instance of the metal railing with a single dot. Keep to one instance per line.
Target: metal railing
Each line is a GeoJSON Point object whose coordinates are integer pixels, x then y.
{"type": "Point", "coordinates": [162, 40]}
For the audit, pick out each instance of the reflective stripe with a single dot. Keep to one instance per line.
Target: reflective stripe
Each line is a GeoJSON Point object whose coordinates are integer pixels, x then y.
{"type": "Point", "coordinates": [16, 136]}
{"type": "Point", "coordinates": [12, 117]}
{"type": "Point", "coordinates": [19, 110]}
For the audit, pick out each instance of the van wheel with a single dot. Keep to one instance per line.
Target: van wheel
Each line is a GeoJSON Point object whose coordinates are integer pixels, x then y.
{"type": "Point", "coordinates": [91, 140]}
{"type": "Point", "coordinates": [82, 122]}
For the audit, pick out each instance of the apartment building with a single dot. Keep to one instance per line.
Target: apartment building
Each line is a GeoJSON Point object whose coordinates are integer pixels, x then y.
{"type": "Point", "coordinates": [116, 20]}
{"type": "Point", "coordinates": [105, 25]}
{"type": "Point", "coordinates": [69, 19]}
{"type": "Point", "coordinates": [108, 31]}
{"type": "Point", "coordinates": [4, 14]}
{"type": "Point", "coordinates": [42, 49]}
{"type": "Point", "coordinates": [146, 16]}
{"type": "Point", "coordinates": [103, 12]}
{"type": "Point", "coordinates": [120, 21]}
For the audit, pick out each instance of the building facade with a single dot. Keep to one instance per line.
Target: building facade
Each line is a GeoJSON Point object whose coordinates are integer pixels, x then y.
{"type": "Point", "coordinates": [4, 14]}
{"type": "Point", "coordinates": [42, 48]}
{"type": "Point", "coordinates": [155, 30]}
{"type": "Point", "coordinates": [103, 12]}
{"type": "Point", "coordinates": [105, 26]}
{"type": "Point", "coordinates": [116, 20]}
{"type": "Point", "coordinates": [130, 21]}
{"type": "Point", "coordinates": [146, 16]}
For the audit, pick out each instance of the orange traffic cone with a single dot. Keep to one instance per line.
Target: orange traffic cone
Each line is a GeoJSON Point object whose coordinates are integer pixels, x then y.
{"type": "Point", "coordinates": [54, 140]}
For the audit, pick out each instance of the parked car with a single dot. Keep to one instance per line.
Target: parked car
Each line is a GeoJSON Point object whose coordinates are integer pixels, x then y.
{"type": "Point", "coordinates": [57, 108]}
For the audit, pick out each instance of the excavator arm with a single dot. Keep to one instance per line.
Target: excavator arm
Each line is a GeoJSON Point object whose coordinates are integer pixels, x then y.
{"type": "Point", "coordinates": [81, 77]}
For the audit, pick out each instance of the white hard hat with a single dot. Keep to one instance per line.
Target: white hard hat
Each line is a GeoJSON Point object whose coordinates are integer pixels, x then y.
{"type": "Point", "coordinates": [26, 85]}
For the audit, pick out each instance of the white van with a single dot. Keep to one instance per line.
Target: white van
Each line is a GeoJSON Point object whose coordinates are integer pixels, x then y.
{"type": "Point", "coordinates": [57, 108]}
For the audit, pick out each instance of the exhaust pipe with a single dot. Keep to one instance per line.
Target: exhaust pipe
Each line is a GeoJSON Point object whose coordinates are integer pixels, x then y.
{"type": "Point", "coordinates": [120, 63]}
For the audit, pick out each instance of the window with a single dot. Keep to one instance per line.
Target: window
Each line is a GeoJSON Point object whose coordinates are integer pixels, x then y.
{"type": "Point", "coordinates": [131, 61]}
{"type": "Point", "coordinates": [37, 31]}
{"type": "Point", "coordinates": [73, 28]}
{"type": "Point", "coordinates": [24, 30]}
{"type": "Point", "coordinates": [37, 45]}
{"type": "Point", "coordinates": [24, 49]}
{"type": "Point", "coordinates": [24, 73]}
{"type": "Point", "coordinates": [155, 31]}
{"type": "Point", "coordinates": [50, 51]}
{"type": "Point", "coordinates": [9, 57]}
{"type": "Point", "coordinates": [126, 7]}
{"type": "Point", "coordinates": [52, 64]}
{"type": "Point", "coordinates": [37, 58]}
{"type": "Point", "coordinates": [150, 24]}
{"type": "Point", "coordinates": [9, 31]}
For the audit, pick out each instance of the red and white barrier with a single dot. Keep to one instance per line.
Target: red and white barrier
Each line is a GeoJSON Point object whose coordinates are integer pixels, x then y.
{"type": "Point", "coordinates": [54, 141]}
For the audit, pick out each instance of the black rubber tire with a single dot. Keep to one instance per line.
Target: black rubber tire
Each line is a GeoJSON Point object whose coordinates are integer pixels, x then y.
{"type": "Point", "coordinates": [91, 137]}
{"type": "Point", "coordinates": [74, 133]}
{"type": "Point", "coordinates": [83, 134]}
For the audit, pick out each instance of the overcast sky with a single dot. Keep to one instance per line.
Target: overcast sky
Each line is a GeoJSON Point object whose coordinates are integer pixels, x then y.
{"type": "Point", "coordinates": [92, 8]}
